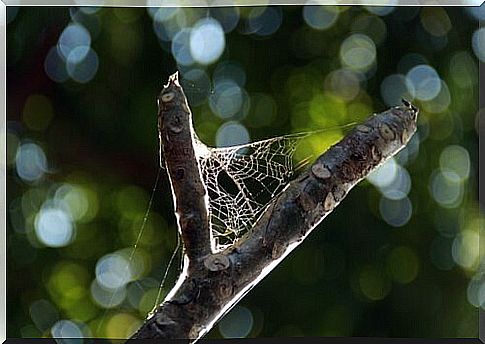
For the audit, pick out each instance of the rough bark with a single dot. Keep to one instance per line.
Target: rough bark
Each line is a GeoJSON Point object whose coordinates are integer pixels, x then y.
{"type": "Point", "coordinates": [176, 141]}
{"type": "Point", "coordinates": [211, 284]}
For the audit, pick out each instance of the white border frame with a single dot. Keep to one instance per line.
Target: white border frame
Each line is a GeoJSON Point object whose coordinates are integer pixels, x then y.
{"type": "Point", "coordinates": [141, 3]}
{"type": "Point", "coordinates": [3, 175]}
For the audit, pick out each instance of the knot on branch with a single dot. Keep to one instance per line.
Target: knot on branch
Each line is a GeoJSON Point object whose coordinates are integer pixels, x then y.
{"type": "Point", "coordinates": [167, 97]}
{"type": "Point", "coordinates": [217, 262]}
{"type": "Point", "coordinates": [363, 128]}
{"type": "Point", "coordinates": [175, 125]}
{"type": "Point", "coordinates": [321, 171]}
{"type": "Point", "coordinates": [386, 132]}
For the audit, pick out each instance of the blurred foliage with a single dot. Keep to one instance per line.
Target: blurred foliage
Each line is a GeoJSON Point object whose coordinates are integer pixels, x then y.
{"type": "Point", "coordinates": [398, 258]}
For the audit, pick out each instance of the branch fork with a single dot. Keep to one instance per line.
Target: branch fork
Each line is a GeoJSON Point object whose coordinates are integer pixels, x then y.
{"type": "Point", "coordinates": [213, 282]}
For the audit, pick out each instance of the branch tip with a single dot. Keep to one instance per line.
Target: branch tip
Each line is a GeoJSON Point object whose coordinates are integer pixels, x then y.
{"type": "Point", "coordinates": [173, 80]}
{"type": "Point", "coordinates": [188, 189]}
{"type": "Point", "coordinates": [408, 104]}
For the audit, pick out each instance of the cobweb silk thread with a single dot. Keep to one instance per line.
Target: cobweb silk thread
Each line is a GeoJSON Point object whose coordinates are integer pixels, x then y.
{"type": "Point", "coordinates": [164, 278]}
{"type": "Point", "coordinates": [135, 246]}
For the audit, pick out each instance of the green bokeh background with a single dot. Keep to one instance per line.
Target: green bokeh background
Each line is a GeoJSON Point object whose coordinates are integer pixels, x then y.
{"type": "Point", "coordinates": [355, 275]}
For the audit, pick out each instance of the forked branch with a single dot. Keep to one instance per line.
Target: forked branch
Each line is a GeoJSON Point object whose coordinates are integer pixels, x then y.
{"type": "Point", "coordinates": [212, 283]}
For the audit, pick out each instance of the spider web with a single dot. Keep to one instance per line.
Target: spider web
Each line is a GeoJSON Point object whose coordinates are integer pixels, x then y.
{"type": "Point", "coordinates": [242, 180]}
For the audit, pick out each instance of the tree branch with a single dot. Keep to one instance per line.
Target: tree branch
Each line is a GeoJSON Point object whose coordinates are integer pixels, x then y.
{"type": "Point", "coordinates": [210, 286]}
{"type": "Point", "coordinates": [189, 194]}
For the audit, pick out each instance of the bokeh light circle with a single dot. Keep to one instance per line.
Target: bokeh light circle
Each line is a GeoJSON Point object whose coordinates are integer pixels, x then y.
{"type": "Point", "coordinates": [396, 212]}
{"type": "Point", "coordinates": [90, 9]}
{"type": "Point", "coordinates": [403, 264]}
{"type": "Point", "coordinates": [237, 323]}
{"type": "Point", "coordinates": [344, 82]}
{"type": "Point", "coordinates": [455, 158]}
{"type": "Point", "coordinates": [227, 99]}
{"type": "Point", "coordinates": [374, 283]}
{"type": "Point", "coordinates": [440, 102]}
{"type": "Point", "coordinates": [30, 162]}
{"type": "Point", "coordinates": [320, 17]}
{"type": "Point", "coordinates": [358, 52]}
{"type": "Point", "coordinates": [85, 70]}
{"type": "Point", "coordinates": [163, 14]}
{"type": "Point", "coordinates": [55, 67]}
{"type": "Point", "coordinates": [181, 48]}
{"type": "Point", "coordinates": [66, 329]}
{"type": "Point", "coordinates": [81, 202]}
{"type": "Point", "coordinates": [168, 21]}
{"type": "Point", "coordinates": [230, 134]}
{"type": "Point", "coordinates": [196, 85]}
{"type": "Point", "coordinates": [77, 55]}
{"type": "Point", "coordinates": [74, 36]}
{"type": "Point", "coordinates": [44, 314]}
{"type": "Point", "coordinates": [228, 17]}
{"type": "Point", "coordinates": [207, 41]}
{"type": "Point", "coordinates": [425, 82]}
{"type": "Point", "coordinates": [446, 188]}
{"type": "Point", "coordinates": [107, 297]}
{"type": "Point", "coordinates": [229, 70]}
{"type": "Point", "coordinates": [54, 227]}
{"type": "Point", "coordinates": [465, 249]}
{"type": "Point", "coordinates": [475, 290]}
{"type": "Point", "coordinates": [264, 22]}
{"type": "Point", "coordinates": [113, 271]}
{"type": "Point", "coordinates": [478, 43]}
{"type": "Point", "coordinates": [384, 175]}
{"type": "Point", "coordinates": [381, 10]}
{"type": "Point", "coordinates": [394, 88]}
{"type": "Point", "coordinates": [399, 187]}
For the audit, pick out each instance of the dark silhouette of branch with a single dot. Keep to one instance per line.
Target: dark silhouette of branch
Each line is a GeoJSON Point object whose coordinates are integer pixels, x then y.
{"type": "Point", "coordinates": [212, 283]}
